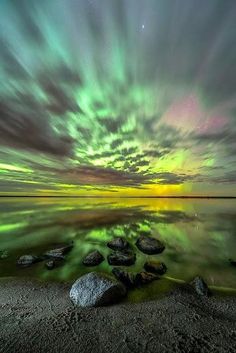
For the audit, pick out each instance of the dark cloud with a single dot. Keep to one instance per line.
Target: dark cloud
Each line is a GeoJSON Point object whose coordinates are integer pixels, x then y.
{"type": "Point", "coordinates": [227, 177]}
{"type": "Point", "coordinates": [112, 125]}
{"type": "Point", "coordinates": [225, 139]}
{"type": "Point", "coordinates": [227, 136]}
{"type": "Point", "coordinates": [141, 163]}
{"type": "Point", "coordinates": [171, 178]}
{"type": "Point", "coordinates": [92, 175]}
{"type": "Point", "coordinates": [155, 153]}
{"type": "Point", "coordinates": [128, 151]}
{"type": "Point", "coordinates": [116, 143]}
{"type": "Point", "coordinates": [29, 130]}
{"type": "Point", "coordinates": [59, 101]}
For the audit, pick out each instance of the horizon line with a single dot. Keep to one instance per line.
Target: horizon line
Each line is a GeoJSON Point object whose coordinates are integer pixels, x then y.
{"type": "Point", "coordinates": [123, 197]}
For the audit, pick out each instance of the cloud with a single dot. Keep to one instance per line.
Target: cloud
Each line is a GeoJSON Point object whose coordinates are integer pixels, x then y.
{"type": "Point", "coordinates": [85, 88]}
{"type": "Point", "coordinates": [58, 100]}
{"type": "Point", "coordinates": [92, 175]}
{"type": "Point", "coordinates": [30, 130]}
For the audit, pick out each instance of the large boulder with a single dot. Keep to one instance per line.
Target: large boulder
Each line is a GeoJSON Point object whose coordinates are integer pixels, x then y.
{"type": "Point", "coordinates": [96, 289]}
{"type": "Point", "coordinates": [118, 244]}
{"type": "Point", "coordinates": [28, 260]}
{"type": "Point", "coordinates": [200, 286]}
{"type": "Point", "coordinates": [94, 258]}
{"type": "Point", "coordinates": [121, 258]}
{"type": "Point", "coordinates": [155, 267]}
{"type": "Point", "coordinates": [149, 245]}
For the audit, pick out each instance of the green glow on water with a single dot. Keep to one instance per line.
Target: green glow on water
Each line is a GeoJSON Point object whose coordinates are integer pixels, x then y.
{"type": "Point", "coordinates": [199, 236]}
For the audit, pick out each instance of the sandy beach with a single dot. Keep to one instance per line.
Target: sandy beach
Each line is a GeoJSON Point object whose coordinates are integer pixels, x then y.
{"type": "Point", "coordinates": [39, 317]}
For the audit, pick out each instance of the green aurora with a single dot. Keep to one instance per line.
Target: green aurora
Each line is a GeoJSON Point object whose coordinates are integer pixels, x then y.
{"type": "Point", "coordinates": [118, 98]}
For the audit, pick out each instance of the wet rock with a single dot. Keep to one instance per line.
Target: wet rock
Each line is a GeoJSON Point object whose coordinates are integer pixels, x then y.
{"type": "Point", "coordinates": [96, 289]}
{"type": "Point", "coordinates": [121, 258]}
{"type": "Point", "coordinates": [232, 262]}
{"type": "Point", "coordinates": [28, 260]}
{"type": "Point", "coordinates": [149, 245]}
{"type": "Point", "coordinates": [200, 286]}
{"type": "Point", "coordinates": [93, 259]}
{"type": "Point", "coordinates": [50, 265]}
{"type": "Point", "coordinates": [127, 278]}
{"type": "Point", "coordinates": [155, 267]}
{"type": "Point", "coordinates": [4, 254]}
{"type": "Point", "coordinates": [60, 251]}
{"type": "Point", "coordinates": [118, 244]}
{"type": "Point", "coordinates": [54, 263]}
{"type": "Point", "coordinates": [145, 278]}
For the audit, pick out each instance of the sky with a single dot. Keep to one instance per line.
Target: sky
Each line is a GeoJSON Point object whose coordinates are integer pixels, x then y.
{"type": "Point", "coordinates": [118, 97]}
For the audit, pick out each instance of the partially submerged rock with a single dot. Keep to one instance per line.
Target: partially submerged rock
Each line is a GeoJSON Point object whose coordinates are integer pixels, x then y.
{"type": "Point", "coordinates": [28, 260]}
{"type": "Point", "coordinates": [200, 286]}
{"type": "Point", "coordinates": [232, 262]}
{"type": "Point", "coordinates": [96, 289]}
{"type": "Point", "coordinates": [149, 245]}
{"type": "Point", "coordinates": [127, 278]}
{"type": "Point", "coordinates": [145, 278]}
{"type": "Point", "coordinates": [53, 263]}
{"type": "Point", "coordinates": [4, 254]}
{"type": "Point", "coordinates": [50, 265]}
{"type": "Point", "coordinates": [155, 267]}
{"type": "Point", "coordinates": [121, 258]}
{"type": "Point", "coordinates": [118, 244]}
{"type": "Point", "coordinates": [60, 251]}
{"type": "Point", "coordinates": [93, 259]}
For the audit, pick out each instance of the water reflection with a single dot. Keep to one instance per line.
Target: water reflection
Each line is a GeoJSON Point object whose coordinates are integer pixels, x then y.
{"type": "Point", "coordinates": [199, 235]}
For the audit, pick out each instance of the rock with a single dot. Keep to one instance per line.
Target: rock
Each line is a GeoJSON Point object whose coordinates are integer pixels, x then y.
{"type": "Point", "coordinates": [27, 260]}
{"type": "Point", "coordinates": [50, 265]}
{"type": "Point", "coordinates": [232, 262]}
{"type": "Point", "coordinates": [145, 278]}
{"type": "Point", "coordinates": [127, 278]}
{"type": "Point", "coordinates": [93, 259]}
{"type": "Point", "coordinates": [149, 245]}
{"type": "Point", "coordinates": [4, 254]}
{"type": "Point", "coordinates": [121, 258]}
{"type": "Point", "coordinates": [155, 267]}
{"type": "Point", "coordinates": [96, 289]}
{"type": "Point", "coordinates": [118, 244]}
{"type": "Point", "coordinates": [60, 251]}
{"type": "Point", "coordinates": [200, 286]}
{"type": "Point", "coordinates": [54, 263]}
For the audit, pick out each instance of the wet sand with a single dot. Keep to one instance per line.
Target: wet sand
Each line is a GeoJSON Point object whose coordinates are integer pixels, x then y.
{"type": "Point", "coordinates": [38, 317]}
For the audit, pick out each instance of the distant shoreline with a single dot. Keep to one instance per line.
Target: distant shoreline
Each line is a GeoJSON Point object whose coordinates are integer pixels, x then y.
{"type": "Point", "coordinates": [119, 197]}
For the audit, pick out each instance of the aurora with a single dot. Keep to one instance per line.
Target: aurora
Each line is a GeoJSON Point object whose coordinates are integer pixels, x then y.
{"type": "Point", "coordinates": [117, 98]}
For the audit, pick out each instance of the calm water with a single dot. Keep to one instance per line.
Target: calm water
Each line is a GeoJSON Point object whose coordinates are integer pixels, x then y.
{"type": "Point", "coordinates": [199, 235]}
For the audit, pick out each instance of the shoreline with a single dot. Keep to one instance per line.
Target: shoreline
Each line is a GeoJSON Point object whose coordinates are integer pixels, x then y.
{"type": "Point", "coordinates": [39, 317]}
